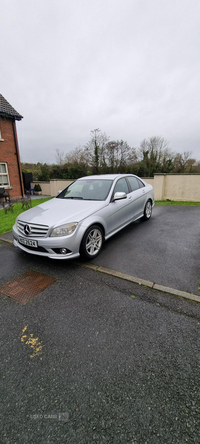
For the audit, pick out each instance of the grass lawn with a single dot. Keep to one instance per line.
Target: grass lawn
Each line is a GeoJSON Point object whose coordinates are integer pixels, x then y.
{"type": "Point", "coordinates": [7, 220]}
{"type": "Point", "coordinates": [174, 202]}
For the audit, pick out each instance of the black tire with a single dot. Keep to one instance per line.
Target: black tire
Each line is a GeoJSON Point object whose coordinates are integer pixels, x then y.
{"type": "Point", "coordinates": [92, 242]}
{"type": "Point", "coordinates": [147, 210]}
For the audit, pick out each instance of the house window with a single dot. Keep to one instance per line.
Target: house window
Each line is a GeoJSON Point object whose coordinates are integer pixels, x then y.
{"type": "Point", "coordinates": [1, 140]}
{"type": "Point", "coordinates": [4, 178]}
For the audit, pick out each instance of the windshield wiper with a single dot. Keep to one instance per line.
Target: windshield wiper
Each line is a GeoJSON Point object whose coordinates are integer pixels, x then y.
{"type": "Point", "coordinates": [73, 197]}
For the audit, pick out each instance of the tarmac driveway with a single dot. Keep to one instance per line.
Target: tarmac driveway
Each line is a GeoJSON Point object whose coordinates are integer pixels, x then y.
{"type": "Point", "coordinates": [164, 250]}
{"type": "Point", "coordinates": [95, 359]}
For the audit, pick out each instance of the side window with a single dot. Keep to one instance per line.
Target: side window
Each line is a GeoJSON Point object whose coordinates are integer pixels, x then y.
{"type": "Point", "coordinates": [134, 183]}
{"type": "Point", "coordinates": [122, 186]}
{"type": "Point", "coordinates": [4, 178]}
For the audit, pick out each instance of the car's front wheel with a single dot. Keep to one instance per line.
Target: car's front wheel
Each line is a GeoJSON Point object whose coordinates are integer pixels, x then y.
{"type": "Point", "coordinates": [92, 242]}
{"type": "Point", "coordinates": [147, 210]}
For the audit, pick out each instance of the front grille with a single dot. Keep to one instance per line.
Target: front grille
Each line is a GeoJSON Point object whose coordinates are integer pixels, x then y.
{"type": "Point", "coordinates": [35, 229]}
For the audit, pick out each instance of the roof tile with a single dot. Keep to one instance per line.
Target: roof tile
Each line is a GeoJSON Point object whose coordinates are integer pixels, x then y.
{"type": "Point", "coordinates": [6, 110]}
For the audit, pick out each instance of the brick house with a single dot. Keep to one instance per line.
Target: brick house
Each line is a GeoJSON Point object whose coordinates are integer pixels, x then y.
{"type": "Point", "coordinates": [10, 169]}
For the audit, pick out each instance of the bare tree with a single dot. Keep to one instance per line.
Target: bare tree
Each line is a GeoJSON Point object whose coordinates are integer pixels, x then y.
{"type": "Point", "coordinates": [60, 157]}
{"type": "Point", "coordinates": [153, 154]}
{"type": "Point", "coordinates": [183, 163]}
{"type": "Point", "coordinates": [96, 148]}
{"type": "Point", "coordinates": [119, 155]}
{"type": "Point", "coordinates": [77, 156]}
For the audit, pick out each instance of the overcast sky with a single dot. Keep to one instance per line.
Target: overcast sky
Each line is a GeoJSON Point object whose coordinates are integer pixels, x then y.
{"type": "Point", "coordinates": [128, 67]}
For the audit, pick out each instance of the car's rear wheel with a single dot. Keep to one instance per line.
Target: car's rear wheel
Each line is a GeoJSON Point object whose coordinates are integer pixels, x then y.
{"type": "Point", "coordinates": [148, 210]}
{"type": "Point", "coordinates": [92, 242]}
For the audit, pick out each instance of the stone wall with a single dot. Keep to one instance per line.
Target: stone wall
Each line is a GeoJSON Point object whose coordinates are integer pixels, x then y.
{"type": "Point", "coordinates": [178, 187]}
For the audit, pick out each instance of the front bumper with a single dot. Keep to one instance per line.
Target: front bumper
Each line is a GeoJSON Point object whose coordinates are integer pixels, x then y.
{"type": "Point", "coordinates": [50, 246]}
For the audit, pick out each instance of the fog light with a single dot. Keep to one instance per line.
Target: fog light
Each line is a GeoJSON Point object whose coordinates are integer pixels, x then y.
{"type": "Point", "coordinates": [63, 250]}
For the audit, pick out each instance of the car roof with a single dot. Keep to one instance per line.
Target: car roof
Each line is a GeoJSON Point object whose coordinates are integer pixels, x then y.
{"type": "Point", "coordinates": [105, 176]}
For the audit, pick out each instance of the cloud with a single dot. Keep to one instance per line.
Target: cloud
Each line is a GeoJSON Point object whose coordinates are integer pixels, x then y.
{"type": "Point", "coordinates": [130, 68]}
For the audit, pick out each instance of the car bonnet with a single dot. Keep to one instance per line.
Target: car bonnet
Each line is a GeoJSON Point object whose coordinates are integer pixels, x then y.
{"type": "Point", "coordinates": [59, 211]}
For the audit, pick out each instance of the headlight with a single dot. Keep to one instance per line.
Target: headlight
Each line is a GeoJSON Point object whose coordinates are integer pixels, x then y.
{"type": "Point", "coordinates": [64, 230]}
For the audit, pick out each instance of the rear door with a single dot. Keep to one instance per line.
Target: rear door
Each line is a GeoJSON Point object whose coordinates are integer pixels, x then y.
{"type": "Point", "coordinates": [138, 194]}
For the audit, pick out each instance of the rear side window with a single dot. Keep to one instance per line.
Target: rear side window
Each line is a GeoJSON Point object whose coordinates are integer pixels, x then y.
{"type": "Point", "coordinates": [134, 183]}
{"type": "Point", "coordinates": [141, 184]}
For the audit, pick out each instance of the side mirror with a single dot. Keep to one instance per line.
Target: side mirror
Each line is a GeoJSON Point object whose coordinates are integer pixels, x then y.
{"type": "Point", "coordinates": [119, 195]}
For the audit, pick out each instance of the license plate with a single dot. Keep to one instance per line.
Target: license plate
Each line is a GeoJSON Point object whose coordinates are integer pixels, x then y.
{"type": "Point", "coordinates": [29, 242]}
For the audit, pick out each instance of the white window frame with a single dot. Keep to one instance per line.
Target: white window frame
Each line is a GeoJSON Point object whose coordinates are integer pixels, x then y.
{"type": "Point", "coordinates": [5, 174]}
{"type": "Point", "coordinates": [1, 140]}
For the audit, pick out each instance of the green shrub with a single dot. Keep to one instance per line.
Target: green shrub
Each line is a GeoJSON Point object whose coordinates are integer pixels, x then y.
{"type": "Point", "coordinates": [37, 187]}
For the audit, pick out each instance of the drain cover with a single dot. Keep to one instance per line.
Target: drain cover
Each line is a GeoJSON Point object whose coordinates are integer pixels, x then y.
{"type": "Point", "coordinates": [26, 287]}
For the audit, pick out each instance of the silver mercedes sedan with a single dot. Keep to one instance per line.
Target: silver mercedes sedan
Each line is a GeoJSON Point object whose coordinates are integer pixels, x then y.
{"type": "Point", "coordinates": [83, 216]}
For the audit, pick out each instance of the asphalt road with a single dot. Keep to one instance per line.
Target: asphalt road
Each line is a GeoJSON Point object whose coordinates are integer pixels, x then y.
{"type": "Point", "coordinates": [164, 250]}
{"type": "Point", "coordinates": [95, 359]}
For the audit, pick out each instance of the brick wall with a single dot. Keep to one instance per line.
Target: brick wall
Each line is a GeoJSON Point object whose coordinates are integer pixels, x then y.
{"type": "Point", "coordinates": [8, 154]}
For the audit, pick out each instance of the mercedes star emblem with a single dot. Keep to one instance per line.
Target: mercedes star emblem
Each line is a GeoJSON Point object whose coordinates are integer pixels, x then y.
{"type": "Point", "coordinates": [27, 229]}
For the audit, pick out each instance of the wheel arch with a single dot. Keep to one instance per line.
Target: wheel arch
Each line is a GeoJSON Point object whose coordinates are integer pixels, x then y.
{"type": "Point", "coordinates": [89, 226]}
{"type": "Point", "coordinates": [145, 217]}
{"type": "Point", "coordinates": [151, 200]}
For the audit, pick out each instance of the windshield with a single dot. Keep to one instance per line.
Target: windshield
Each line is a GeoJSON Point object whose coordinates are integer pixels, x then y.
{"type": "Point", "coordinates": [87, 189]}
